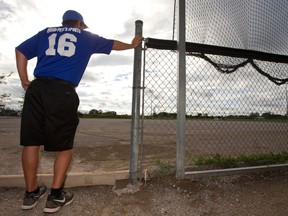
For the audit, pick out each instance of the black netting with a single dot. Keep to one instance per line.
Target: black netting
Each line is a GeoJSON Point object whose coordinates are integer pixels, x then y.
{"type": "Point", "coordinates": [256, 26]}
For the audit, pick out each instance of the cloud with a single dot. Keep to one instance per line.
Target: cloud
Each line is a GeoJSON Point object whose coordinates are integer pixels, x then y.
{"type": "Point", "coordinates": [128, 27]}
{"type": "Point", "coordinates": [92, 76]}
{"type": "Point", "coordinates": [6, 16]}
{"type": "Point", "coordinates": [106, 101]}
{"type": "Point", "coordinates": [106, 93]}
{"type": "Point", "coordinates": [111, 60]}
{"type": "Point", "coordinates": [107, 80]}
{"type": "Point", "coordinates": [6, 11]}
{"type": "Point", "coordinates": [122, 77]}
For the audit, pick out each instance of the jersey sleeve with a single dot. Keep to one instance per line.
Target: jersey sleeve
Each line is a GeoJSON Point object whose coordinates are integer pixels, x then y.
{"type": "Point", "coordinates": [29, 47]}
{"type": "Point", "coordinates": [100, 44]}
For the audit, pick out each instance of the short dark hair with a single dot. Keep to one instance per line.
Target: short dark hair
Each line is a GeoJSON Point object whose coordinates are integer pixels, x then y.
{"type": "Point", "coordinates": [70, 22]}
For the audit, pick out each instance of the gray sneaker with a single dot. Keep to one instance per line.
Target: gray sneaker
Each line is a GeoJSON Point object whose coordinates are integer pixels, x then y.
{"type": "Point", "coordinates": [54, 204]}
{"type": "Point", "coordinates": [30, 200]}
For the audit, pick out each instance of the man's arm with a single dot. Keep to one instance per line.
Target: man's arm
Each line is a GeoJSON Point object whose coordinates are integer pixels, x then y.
{"type": "Point", "coordinates": [21, 62]}
{"type": "Point", "coordinates": [119, 45]}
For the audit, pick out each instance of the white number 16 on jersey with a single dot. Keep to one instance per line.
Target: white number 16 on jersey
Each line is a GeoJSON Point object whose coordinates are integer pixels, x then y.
{"type": "Point", "coordinates": [64, 48]}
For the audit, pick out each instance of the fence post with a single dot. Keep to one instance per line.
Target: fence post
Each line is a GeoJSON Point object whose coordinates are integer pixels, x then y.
{"type": "Point", "coordinates": [181, 92]}
{"type": "Point", "coordinates": [135, 115]}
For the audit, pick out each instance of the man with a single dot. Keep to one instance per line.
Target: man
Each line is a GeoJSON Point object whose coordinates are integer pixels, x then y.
{"type": "Point", "coordinates": [49, 115]}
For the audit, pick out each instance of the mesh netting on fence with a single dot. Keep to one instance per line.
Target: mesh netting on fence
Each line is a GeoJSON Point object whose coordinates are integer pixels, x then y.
{"type": "Point", "coordinates": [258, 25]}
{"type": "Point", "coordinates": [236, 84]}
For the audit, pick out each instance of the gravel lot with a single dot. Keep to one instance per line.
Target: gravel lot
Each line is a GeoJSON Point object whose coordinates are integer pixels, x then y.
{"type": "Point", "coordinates": [261, 195]}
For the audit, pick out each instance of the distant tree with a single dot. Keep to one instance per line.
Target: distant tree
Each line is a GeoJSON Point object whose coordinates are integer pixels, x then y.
{"type": "Point", "coordinates": [21, 102]}
{"type": "Point", "coordinates": [254, 115]}
{"type": "Point", "coordinates": [3, 96]}
{"type": "Point", "coordinates": [80, 114]}
{"type": "Point", "coordinates": [3, 78]}
{"type": "Point", "coordinates": [95, 112]}
{"type": "Point", "coordinates": [110, 113]}
{"type": "Point", "coordinates": [267, 115]}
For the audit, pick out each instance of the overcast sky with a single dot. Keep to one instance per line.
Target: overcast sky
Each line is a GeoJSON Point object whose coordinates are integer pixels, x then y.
{"type": "Point", "coordinates": [107, 83]}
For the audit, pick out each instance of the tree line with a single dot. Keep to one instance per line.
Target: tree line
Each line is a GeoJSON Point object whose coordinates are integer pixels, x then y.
{"type": "Point", "coordinates": [94, 113]}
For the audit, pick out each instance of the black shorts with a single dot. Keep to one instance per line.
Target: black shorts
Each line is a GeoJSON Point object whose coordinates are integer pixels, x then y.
{"type": "Point", "coordinates": [49, 115]}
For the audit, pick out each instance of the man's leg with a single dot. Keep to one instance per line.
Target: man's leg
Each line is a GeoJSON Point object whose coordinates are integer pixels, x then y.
{"type": "Point", "coordinates": [61, 166]}
{"type": "Point", "coordinates": [30, 161]}
{"type": "Point", "coordinates": [58, 197]}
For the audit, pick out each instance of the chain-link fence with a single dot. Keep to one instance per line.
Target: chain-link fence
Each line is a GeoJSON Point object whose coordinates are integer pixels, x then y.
{"type": "Point", "coordinates": [228, 115]}
{"type": "Point", "coordinates": [159, 107]}
{"type": "Point", "coordinates": [236, 83]}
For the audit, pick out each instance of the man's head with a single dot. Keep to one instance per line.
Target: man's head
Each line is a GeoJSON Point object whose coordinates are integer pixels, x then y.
{"type": "Point", "coordinates": [71, 16]}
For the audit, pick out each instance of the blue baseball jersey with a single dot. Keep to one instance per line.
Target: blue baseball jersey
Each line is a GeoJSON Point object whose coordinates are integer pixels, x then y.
{"type": "Point", "coordinates": [63, 52]}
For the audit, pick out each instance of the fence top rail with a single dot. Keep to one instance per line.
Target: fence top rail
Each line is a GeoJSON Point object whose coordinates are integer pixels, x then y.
{"type": "Point", "coordinates": [193, 48]}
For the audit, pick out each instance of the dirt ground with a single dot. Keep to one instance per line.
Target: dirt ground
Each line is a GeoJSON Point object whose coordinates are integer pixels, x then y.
{"type": "Point", "coordinates": [262, 194]}
{"type": "Point", "coordinates": [257, 195]}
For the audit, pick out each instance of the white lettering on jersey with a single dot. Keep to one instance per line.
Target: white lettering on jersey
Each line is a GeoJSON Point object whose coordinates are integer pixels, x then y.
{"type": "Point", "coordinates": [62, 29]}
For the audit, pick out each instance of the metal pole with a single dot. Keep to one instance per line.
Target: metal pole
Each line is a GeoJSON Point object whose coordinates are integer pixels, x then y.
{"type": "Point", "coordinates": [287, 100]}
{"type": "Point", "coordinates": [181, 92]}
{"type": "Point", "coordinates": [135, 115]}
